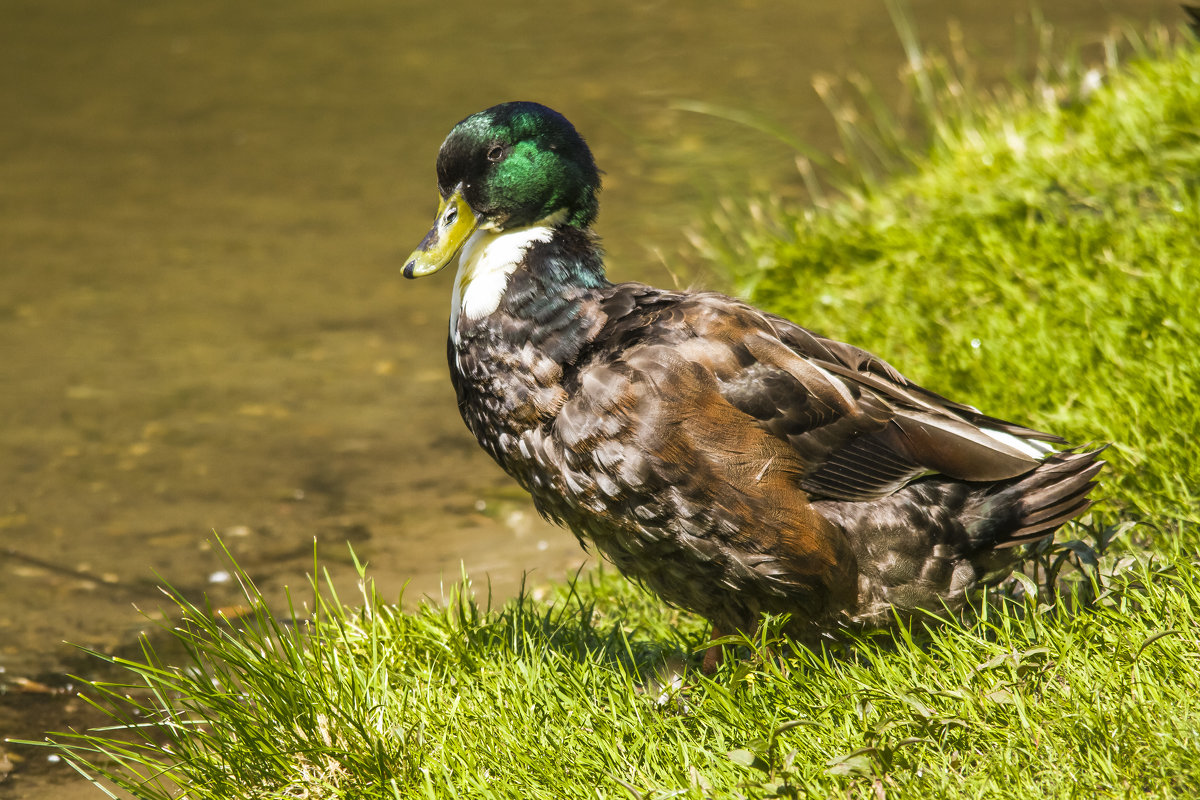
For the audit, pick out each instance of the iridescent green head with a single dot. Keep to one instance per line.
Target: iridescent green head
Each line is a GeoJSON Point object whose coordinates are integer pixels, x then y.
{"type": "Point", "coordinates": [511, 166]}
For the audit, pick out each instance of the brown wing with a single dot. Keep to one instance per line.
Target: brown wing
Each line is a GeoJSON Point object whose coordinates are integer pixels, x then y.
{"type": "Point", "coordinates": [857, 428]}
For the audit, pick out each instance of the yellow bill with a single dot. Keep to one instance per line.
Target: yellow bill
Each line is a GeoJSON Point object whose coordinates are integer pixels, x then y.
{"type": "Point", "coordinates": [454, 224]}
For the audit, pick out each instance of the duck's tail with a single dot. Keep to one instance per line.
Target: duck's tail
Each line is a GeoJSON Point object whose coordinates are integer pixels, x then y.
{"type": "Point", "coordinates": [1033, 506]}
{"type": "Point", "coordinates": [938, 539]}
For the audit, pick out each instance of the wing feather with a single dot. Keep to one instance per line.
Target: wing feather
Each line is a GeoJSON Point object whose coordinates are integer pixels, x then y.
{"type": "Point", "coordinates": [862, 428]}
{"type": "Point", "coordinates": [858, 428]}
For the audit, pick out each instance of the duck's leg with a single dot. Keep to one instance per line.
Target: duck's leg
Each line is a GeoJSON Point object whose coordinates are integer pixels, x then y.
{"type": "Point", "coordinates": [715, 653]}
{"type": "Point", "coordinates": [713, 656]}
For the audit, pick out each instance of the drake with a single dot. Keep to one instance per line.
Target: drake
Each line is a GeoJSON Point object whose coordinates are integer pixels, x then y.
{"type": "Point", "coordinates": [730, 460]}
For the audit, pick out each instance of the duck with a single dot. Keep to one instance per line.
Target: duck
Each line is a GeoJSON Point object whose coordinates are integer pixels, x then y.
{"type": "Point", "coordinates": [731, 461]}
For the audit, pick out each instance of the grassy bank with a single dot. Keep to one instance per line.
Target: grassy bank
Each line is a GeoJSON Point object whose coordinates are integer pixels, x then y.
{"type": "Point", "coordinates": [1042, 259]}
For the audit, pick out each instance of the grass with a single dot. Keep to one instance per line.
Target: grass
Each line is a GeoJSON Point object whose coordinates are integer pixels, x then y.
{"type": "Point", "coordinates": [563, 698]}
{"type": "Point", "coordinates": [1038, 255]}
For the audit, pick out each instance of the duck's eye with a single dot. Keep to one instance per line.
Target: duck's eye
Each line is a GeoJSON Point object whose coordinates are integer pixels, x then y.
{"type": "Point", "coordinates": [495, 153]}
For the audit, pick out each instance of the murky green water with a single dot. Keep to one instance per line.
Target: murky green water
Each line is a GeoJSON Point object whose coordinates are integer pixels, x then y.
{"type": "Point", "coordinates": [203, 207]}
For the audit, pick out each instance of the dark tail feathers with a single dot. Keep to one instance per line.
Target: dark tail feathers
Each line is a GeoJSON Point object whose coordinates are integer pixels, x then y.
{"type": "Point", "coordinates": [1035, 505]}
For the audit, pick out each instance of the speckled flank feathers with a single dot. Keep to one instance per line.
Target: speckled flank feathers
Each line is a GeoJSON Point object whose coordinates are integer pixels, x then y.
{"type": "Point", "coordinates": [732, 461]}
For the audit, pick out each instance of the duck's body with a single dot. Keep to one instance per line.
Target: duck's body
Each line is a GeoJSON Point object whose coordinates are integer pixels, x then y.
{"type": "Point", "coordinates": [731, 460]}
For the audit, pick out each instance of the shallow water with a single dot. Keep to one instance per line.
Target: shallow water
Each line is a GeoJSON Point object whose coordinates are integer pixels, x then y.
{"type": "Point", "coordinates": [203, 212]}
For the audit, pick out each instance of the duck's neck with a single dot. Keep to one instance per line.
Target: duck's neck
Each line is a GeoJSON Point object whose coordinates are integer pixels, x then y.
{"type": "Point", "coordinates": [526, 306]}
{"type": "Point", "coordinates": [525, 285]}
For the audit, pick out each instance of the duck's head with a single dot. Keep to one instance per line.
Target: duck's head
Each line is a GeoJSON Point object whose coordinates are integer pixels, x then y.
{"type": "Point", "coordinates": [510, 166]}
